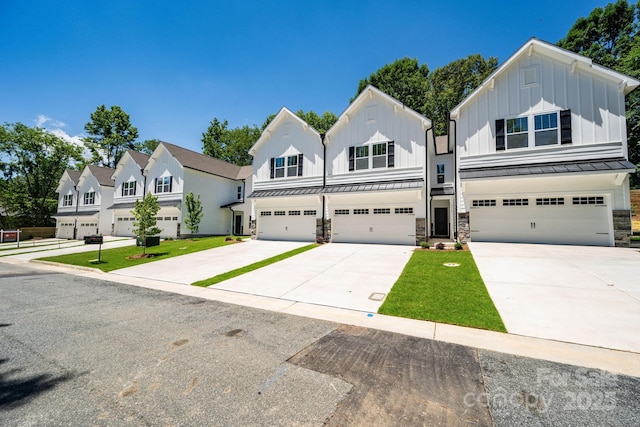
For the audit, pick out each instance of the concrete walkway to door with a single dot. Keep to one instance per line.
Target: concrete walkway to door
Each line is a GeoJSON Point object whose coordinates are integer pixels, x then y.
{"type": "Point", "coordinates": [581, 294]}
{"type": "Point", "coordinates": [343, 275]}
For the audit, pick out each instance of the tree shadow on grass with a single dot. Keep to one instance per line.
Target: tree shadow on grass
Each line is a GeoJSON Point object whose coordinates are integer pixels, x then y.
{"type": "Point", "coordinates": [16, 391]}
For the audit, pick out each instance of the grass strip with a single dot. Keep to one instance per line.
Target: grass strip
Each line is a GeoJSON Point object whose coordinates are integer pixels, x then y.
{"type": "Point", "coordinates": [117, 258]}
{"type": "Point", "coordinates": [429, 290]}
{"type": "Point", "coordinates": [256, 265]}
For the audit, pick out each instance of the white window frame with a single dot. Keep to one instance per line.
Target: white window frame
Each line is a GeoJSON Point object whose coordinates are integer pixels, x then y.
{"type": "Point", "coordinates": [361, 157]}
{"type": "Point", "coordinates": [90, 198]}
{"type": "Point", "coordinates": [376, 147]}
{"type": "Point", "coordinates": [292, 165]}
{"type": "Point", "coordinates": [129, 188]}
{"type": "Point", "coordinates": [163, 184]}
{"type": "Point", "coordinates": [67, 200]}
{"type": "Point", "coordinates": [536, 124]}
{"type": "Point", "coordinates": [279, 169]}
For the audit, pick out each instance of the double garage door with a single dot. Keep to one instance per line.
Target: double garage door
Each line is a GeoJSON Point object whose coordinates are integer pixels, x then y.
{"type": "Point", "coordinates": [571, 220]}
{"type": "Point", "coordinates": [295, 224]}
{"type": "Point", "coordinates": [394, 225]}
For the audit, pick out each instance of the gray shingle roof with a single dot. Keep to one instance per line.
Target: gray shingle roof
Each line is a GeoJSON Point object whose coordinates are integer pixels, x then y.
{"type": "Point", "coordinates": [74, 175]}
{"type": "Point", "coordinates": [140, 158]}
{"type": "Point", "coordinates": [200, 162]}
{"type": "Point", "coordinates": [103, 175]}
{"type": "Point", "coordinates": [549, 168]}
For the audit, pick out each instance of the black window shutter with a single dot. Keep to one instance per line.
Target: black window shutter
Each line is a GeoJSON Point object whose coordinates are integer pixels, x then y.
{"type": "Point", "coordinates": [300, 157]}
{"type": "Point", "coordinates": [500, 135]}
{"type": "Point", "coordinates": [352, 160]}
{"type": "Point", "coordinates": [155, 185]}
{"type": "Point", "coordinates": [391, 158]}
{"type": "Point", "coordinates": [122, 189]}
{"type": "Point", "coordinates": [272, 170]}
{"type": "Point", "coordinates": [565, 127]}
{"type": "Point", "coordinates": [170, 183]}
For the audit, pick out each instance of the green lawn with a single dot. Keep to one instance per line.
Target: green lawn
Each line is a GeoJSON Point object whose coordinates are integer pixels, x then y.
{"type": "Point", "coordinates": [256, 265]}
{"type": "Point", "coordinates": [428, 290]}
{"type": "Point", "coordinates": [113, 259]}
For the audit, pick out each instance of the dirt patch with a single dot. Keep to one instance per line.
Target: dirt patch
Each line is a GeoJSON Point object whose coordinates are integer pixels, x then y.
{"type": "Point", "coordinates": [140, 256]}
{"type": "Point", "coordinates": [397, 379]}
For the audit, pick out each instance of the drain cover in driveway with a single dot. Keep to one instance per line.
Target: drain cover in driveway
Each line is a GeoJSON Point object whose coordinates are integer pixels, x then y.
{"type": "Point", "coordinates": [377, 296]}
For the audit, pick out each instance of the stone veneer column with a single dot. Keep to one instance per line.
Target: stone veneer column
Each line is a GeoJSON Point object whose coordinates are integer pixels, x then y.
{"type": "Point", "coordinates": [621, 228]}
{"type": "Point", "coordinates": [252, 228]}
{"type": "Point", "coordinates": [464, 233]}
{"type": "Point", "coordinates": [421, 230]}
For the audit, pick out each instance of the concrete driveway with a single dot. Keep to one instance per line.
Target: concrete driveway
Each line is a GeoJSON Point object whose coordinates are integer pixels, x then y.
{"type": "Point", "coordinates": [343, 275]}
{"type": "Point", "coordinates": [581, 294]}
{"type": "Point", "coordinates": [190, 268]}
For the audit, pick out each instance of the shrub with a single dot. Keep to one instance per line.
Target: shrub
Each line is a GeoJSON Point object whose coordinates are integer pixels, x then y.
{"type": "Point", "coordinates": [458, 246]}
{"type": "Point", "coordinates": [319, 240]}
{"type": "Point", "coordinates": [440, 246]}
{"type": "Point", "coordinates": [425, 245]}
{"type": "Point", "coordinates": [228, 239]}
{"type": "Point", "coordinates": [238, 239]}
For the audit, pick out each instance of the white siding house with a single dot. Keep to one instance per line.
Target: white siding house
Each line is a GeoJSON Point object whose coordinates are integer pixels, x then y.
{"type": "Point", "coordinates": [376, 165]}
{"type": "Point", "coordinates": [541, 152]}
{"type": "Point", "coordinates": [288, 173]}
{"type": "Point", "coordinates": [129, 187]}
{"type": "Point", "coordinates": [172, 172]}
{"type": "Point", "coordinates": [83, 201]}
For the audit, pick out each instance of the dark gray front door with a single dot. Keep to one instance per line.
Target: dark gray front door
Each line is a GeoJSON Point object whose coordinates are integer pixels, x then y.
{"type": "Point", "coordinates": [441, 219]}
{"type": "Point", "coordinates": [237, 229]}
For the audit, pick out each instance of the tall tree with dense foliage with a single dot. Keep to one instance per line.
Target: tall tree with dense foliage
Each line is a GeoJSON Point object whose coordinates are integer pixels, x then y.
{"type": "Point", "coordinates": [194, 212]}
{"type": "Point", "coordinates": [110, 135]}
{"type": "Point", "coordinates": [230, 145]}
{"type": "Point", "coordinates": [435, 93]}
{"type": "Point", "coordinates": [609, 36]}
{"type": "Point", "coordinates": [32, 162]}
{"type": "Point", "coordinates": [144, 212]}
{"type": "Point", "coordinates": [148, 146]}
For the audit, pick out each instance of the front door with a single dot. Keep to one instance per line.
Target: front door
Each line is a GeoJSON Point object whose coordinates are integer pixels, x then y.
{"type": "Point", "coordinates": [441, 219]}
{"type": "Point", "coordinates": [237, 225]}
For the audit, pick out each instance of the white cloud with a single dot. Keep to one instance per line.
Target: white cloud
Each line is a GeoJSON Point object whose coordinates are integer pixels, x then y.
{"type": "Point", "coordinates": [42, 120]}
{"type": "Point", "coordinates": [54, 127]}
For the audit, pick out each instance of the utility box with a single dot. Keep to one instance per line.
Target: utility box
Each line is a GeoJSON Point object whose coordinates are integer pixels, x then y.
{"type": "Point", "coordinates": [148, 241]}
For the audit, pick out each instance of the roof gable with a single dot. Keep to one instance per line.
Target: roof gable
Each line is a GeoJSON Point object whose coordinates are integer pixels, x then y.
{"type": "Point", "coordinates": [361, 101]}
{"type": "Point", "coordinates": [558, 54]}
{"type": "Point", "coordinates": [277, 121]}
{"type": "Point", "coordinates": [101, 174]}
{"type": "Point", "coordinates": [139, 159]}
{"type": "Point", "coordinates": [196, 161]}
{"type": "Point", "coordinates": [69, 175]}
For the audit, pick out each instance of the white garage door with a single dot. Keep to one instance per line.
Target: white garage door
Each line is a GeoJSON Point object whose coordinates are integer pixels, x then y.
{"type": "Point", "coordinates": [65, 229]}
{"type": "Point", "coordinates": [168, 225]}
{"type": "Point", "coordinates": [571, 220]}
{"type": "Point", "coordinates": [287, 224]}
{"type": "Point", "coordinates": [124, 226]}
{"type": "Point", "coordinates": [394, 225]}
{"type": "Point", "coordinates": [87, 228]}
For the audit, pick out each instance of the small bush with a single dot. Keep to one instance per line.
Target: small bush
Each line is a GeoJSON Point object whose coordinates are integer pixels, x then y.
{"type": "Point", "coordinates": [238, 239]}
{"type": "Point", "coordinates": [458, 246]}
{"type": "Point", "coordinates": [635, 238]}
{"type": "Point", "coordinates": [425, 245]}
{"type": "Point", "coordinates": [228, 239]}
{"type": "Point", "coordinates": [168, 239]}
{"type": "Point", "coordinates": [319, 240]}
{"type": "Point", "coordinates": [440, 246]}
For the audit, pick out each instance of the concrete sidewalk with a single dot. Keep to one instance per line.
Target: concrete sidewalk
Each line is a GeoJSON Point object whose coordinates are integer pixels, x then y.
{"type": "Point", "coordinates": [581, 294]}
{"type": "Point", "coordinates": [28, 253]}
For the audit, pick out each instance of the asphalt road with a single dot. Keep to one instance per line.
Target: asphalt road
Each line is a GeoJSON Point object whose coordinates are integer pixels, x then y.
{"type": "Point", "coordinates": [76, 351]}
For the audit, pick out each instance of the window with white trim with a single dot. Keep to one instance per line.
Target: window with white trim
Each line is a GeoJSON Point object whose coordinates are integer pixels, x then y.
{"type": "Point", "coordinates": [362, 157]}
{"type": "Point", "coordinates": [515, 202]}
{"type": "Point", "coordinates": [294, 213]}
{"type": "Point", "coordinates": [265, 213]}
{"type": "Point", "coordinates": [239, 192]}
{"type": "Point", "coordinates": [279, 167]}
{"type": "Point", "coordinates": [589, 200]}
{"type": "Point", "coordinates": [341, 212]}
{"type": "Point", "coordinates": [310, 212]}
{"type": "Point", "coordinates": [379, 155]}
{"type": "Point", "coordinates": [163, 184]}
{"type": "Point", "coordinates": [537, 130]}
{"type": "Point", "coordinates": [546, 129]}
{"type": "Point", "coordinates": [381, 211]}
{"type": "Point", "coordinates": [278, 213]}
{"type": "Point", "coordinates": [404, 210]}
{"type": "Point", "coordinates": [517, 133]}
{"type": "Point", "coordinates": [90, 198]}
{"type": "Point", "coordinates": [483, 203]}
{"type": "Point", "coordinates": [129, 188]}
{"type": "Point", "coordinates": [292, 166]}
{"type": "Point", "coordinates": [361, 211]}
{"type": "Point", "coordinates": [67, 200]}
{"type": "Point", "coordinates": [286, 166]}
{"type": "Point", "coordinates": [550, 201]}
{"type": "Point", "coordinates": [440, 173]}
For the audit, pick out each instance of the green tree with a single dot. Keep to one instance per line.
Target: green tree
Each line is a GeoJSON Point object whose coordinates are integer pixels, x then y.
{"type": "Point", "coordinates": [194, 212]}
{"type": "Point", "coordinates": [110, 135]}
{"type": "Point", "coordinates": [320, 123]}
{"type": "Point", "coordinates": [609, 36]}
{"type": "Point", "coordinates": [404, 79]}
{"type": "Point", "coordinates": [230, 145]}
{"type": "Point", "coordinates": [450, 84]}
{"type": "Point", "coordinates": [32, 162]}
{"type": "Point", "coordinates": [144, 212]}
{"type": "Point", "coordinates": [148, 146]}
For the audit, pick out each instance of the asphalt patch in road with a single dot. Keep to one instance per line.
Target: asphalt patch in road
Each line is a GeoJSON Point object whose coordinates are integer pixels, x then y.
{"type": "Point", "coordinates": [398, 379]}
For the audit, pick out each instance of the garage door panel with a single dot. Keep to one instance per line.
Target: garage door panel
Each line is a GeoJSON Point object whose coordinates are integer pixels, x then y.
{"type": "Point", "coordinates": [388, 228]}
{"type": "Point", "coordinates": [561, 222]}
{"type": "Point", "coordinates": [293, 225]}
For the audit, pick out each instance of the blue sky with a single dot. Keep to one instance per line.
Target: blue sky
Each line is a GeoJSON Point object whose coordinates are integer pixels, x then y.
{"type": "Point", "coordinates": [175, 65]}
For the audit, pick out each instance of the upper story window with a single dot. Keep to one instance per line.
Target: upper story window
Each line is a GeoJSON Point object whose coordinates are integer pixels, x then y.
{"type": "Point", "coordinates": [286, 166]}
{"type": "Point", "coordinates": [532, 131]}
{"type": "Point", "coordinates": [67, 200]}
{"type": "Point", "coordinates": [239, 192]}
{"type": "Point", "coordinates": [373, 156]}
{"type": "Point", "coordinates": [129, 188]}
{"type": "Point", "coordinates": [90, 198]}
{"type": "Point", "coordinates": [440, 173]}
{"type": "Point", "coordinates": [163, 184]}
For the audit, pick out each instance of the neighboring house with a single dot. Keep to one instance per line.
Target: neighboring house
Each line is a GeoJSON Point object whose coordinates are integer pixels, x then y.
{"type": "Point", "coordinates": [288, 172]}
{"type": "Point", "coordinates": [541, 151]}
{"type": "Point", "coordinates": [83, 201]}
{"type": "Point", "coordinates": [172, 172]}
{"type": "Point", "coordinates": [129, 185]}
{"type": "Point", "coordinates": [371, 187]}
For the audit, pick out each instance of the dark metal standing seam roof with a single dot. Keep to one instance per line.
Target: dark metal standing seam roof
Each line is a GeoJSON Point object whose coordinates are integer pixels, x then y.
{"type": "Point", "coordinates": [131, 205]}
{"type": "Point", "coordinates": [548, 168]}
{"type": "Point", "coordinates": [285, 192]}
{"type": "Point", "coordinates": [79, 213]}
{"type": "Point", "coordinates": [340, 188]}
